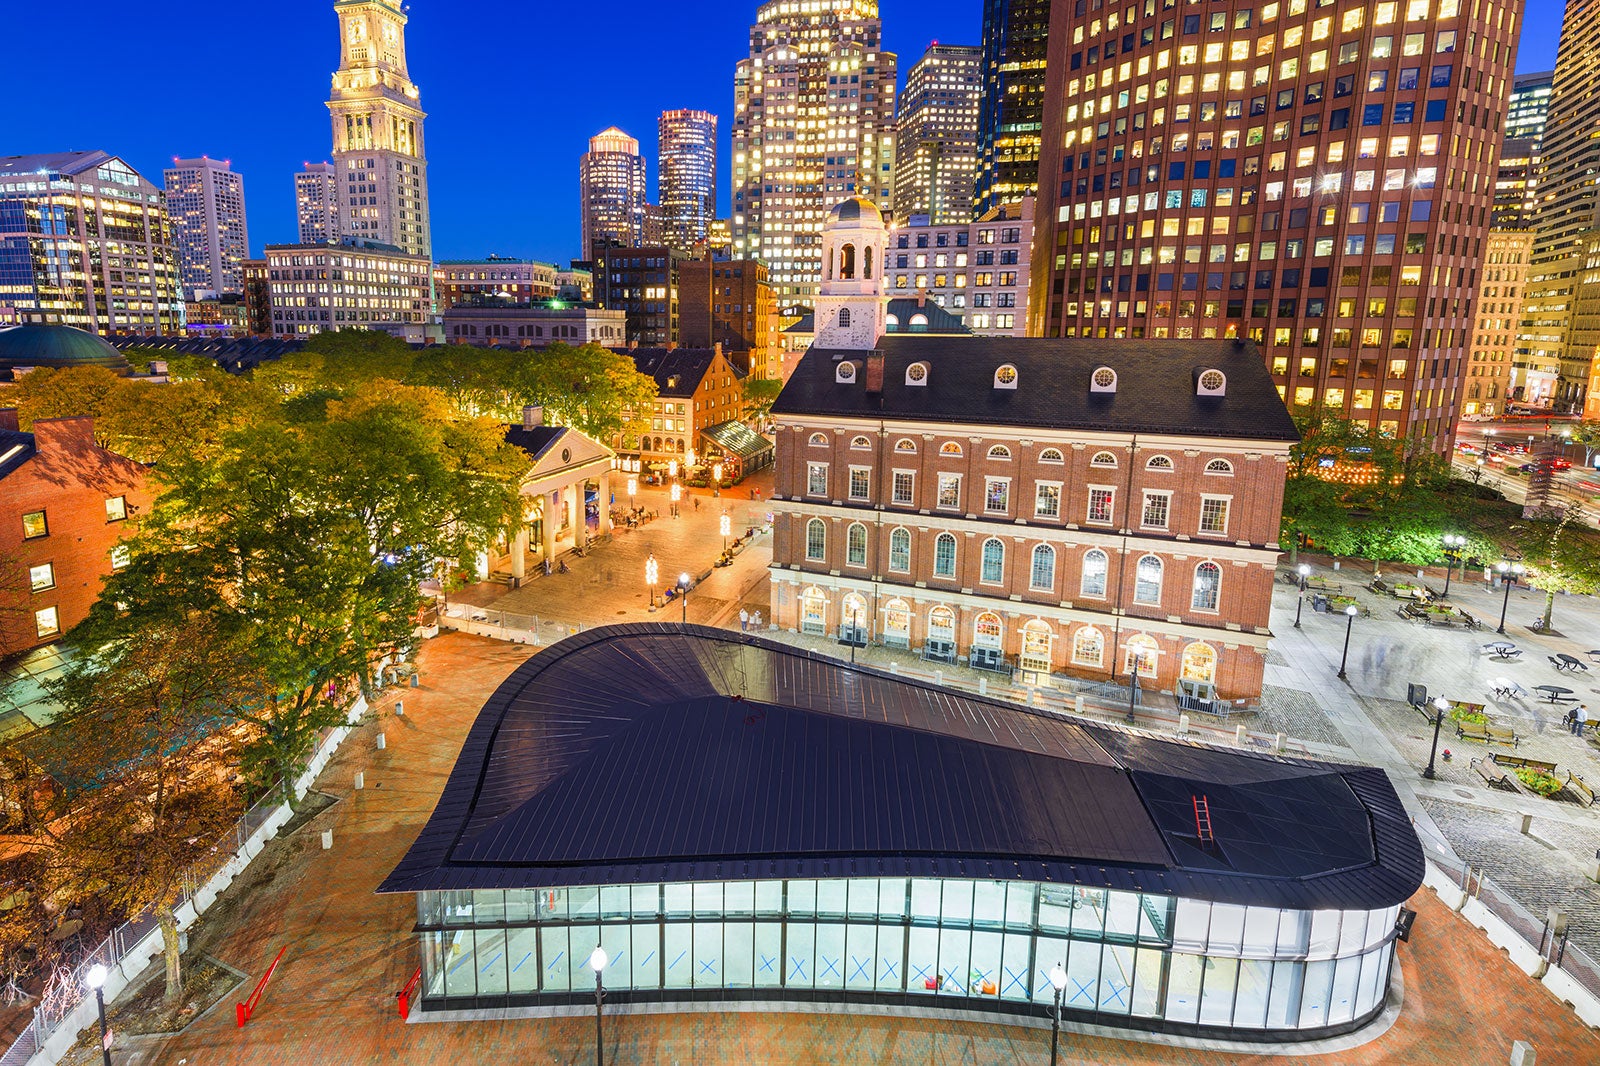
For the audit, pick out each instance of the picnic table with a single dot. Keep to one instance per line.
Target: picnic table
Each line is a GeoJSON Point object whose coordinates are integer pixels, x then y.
{"type": "Point", "coordinates": [1506, 689]}
{"type": "Point", "coordinates": [1554, 693]}
{"type": "Point", "coordinates": [1562, 661]}
{"type": "Point", "coordinates": [1594, 655]}
{"type": "Point", "coordinates": [1503, 649]}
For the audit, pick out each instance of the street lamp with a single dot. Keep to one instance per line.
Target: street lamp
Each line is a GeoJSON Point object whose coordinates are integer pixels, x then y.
{"type": "Point", "coordinates": [672, 468]}
{"type": "Point", "coordinates": [96, 979]}
{"type": "Point", "coordinates": [1133, 683]}
{"type": "Point", "coordinates": [677, 494]}
{"type": "Point", "coordinates": [1305, 572]}
{"type": "Point", "coordinates": [683, 594]}
{"type": "Point", "coordinates": [1350, 621]}
{"type": "Point", "coordinates": [1508, 577]}
{"type": "Point", "coordinates": [1440, 706]}
{"type": "Point", "coordinates": [597, 962]}
{"type": "Point", "coordinates": [633, 490]}
{"type": "Point", "coordinates": [726, 523]}
{"type": "Point", "coordinates": [1058, 981]}
{"type": "Point", "coordinates": [1453, 543]}
{"type": "Point", "coordinates": [652, 574]}
{"type": "Point", "coordinates": [716, 473]}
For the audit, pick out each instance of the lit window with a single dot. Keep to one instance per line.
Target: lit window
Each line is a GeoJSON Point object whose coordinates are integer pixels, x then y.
{"type": "Point", "coordinates": [1207, 581]}
{"type": "Point", "coordinates": [816, 540]}
{"type": "Point", "coordinates": [1156, 506]}
{"type": "Point", "coordinates": [949, 492]}
{"type": "Point", "coordinates": [1043, 573]}
{"type": "Point", "coordinates": [855, 548]}
{"type": "Point", "coordinates": [1047, 500]}
{"type": "Point", "coordinates": [944, 555]}
{"type": "Point", "coordinates": [1088, 647]}
{"type": "Point", "coordinates": [41, 577]}
{"type": "Point", "coordinates": [1095, 566]}
{"type": "Point", "coordinates": [816, 479]}
{"type": "Point", "coordinates": [860, 483]}
{"type": "Point", "coordinates": [34, 525]}
{"type": "Point", "coordinates": [900, 551]}
{"type": "Point", "coordinates": [47, 622]}
{"type": "Point", "coordinates": [1147, 580]}
{"type": "Point", "coordinates": [997, 496]}
{"type": "Point", "coordinates": [1214, 513]}
{"type": "Point", "coordinates": [1100, 503]}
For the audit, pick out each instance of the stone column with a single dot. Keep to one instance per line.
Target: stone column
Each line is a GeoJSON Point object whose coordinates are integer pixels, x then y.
{"type": "Point", "coordinates": [580, 516]}
{"type": "Point", "coordinates": [519, 554]}
{"type": "Point", "coordinates": [551, 506]}
{"type": "Point", "coordinates": [605, 503]}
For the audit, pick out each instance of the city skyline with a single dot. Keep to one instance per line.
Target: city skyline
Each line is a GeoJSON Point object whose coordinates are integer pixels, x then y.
{"type": "Point", "coordinates": [289, 83]}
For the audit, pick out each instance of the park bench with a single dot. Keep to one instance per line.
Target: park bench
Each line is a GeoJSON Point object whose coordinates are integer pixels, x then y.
{"type": "Point", "coordinates": [1514, 761]}
{"type": "Point", "coordinates": [1473, 731]}
{"type": "Point", "coordinates": [1495, 777]}
{"type": "Point", "coordinates": [1502, 734]}
{"type": "Point", "coordinates": [1577, 790]}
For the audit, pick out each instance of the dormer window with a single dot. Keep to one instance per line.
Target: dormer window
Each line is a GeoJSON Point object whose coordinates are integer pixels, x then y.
{"type": "Point", "coordinates": [919, 323]}
{"type": "Point", "coordinates": [1005, 377]}
{"type": "Point", "coordinates": [917, 374]}
{"type": "Point", "coordinates": [891, 323]}
{"type": "Point", "coordinates": [1210, 383]}
{"type": "Point", "coordinates": [1104, 379]}
{"type": "Point", "coordinates": [845, 374]}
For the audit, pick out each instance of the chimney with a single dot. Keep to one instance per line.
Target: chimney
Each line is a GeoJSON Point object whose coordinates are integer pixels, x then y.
{"type": "Point", "coordinates": [875, 374]}
{"type": "Point", "coordinates": [8, 419]}
{"type": "Point", "coordinates": [63, 434]}
{"type": "Point", "coordinates": [922, 297]}
{"type": "Point", "coordinates": [532, 416]}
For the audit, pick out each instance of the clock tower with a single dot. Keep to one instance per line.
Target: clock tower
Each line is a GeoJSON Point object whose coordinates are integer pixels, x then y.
{"type": "Point", "coordinates": [377, 130]}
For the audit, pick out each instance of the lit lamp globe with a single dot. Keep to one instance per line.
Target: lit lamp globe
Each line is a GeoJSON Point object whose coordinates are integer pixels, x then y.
{"type": "Point", "coordinates": [716, 472]}
{"type": "Point", "coordinates": [96, 977]}
{"type": "Point", "coordinates": [598, 959]}
{"type": "Point", "coordinates": [1058, 978]}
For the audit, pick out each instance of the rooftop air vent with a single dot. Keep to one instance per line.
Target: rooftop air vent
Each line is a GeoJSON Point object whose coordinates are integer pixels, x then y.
{"type": "Point", "coordinates": [1104, 379]}
{"type": "Point", "coordinates": [1210, 382]}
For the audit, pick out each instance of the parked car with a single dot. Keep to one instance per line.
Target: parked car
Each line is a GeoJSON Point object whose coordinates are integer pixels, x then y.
{"type": "Point", "coordinates": [1559, 463]}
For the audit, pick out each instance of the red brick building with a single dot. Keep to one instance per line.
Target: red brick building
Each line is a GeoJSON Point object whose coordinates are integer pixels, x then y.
{"type": "Point", "coordinates": [65, 503]}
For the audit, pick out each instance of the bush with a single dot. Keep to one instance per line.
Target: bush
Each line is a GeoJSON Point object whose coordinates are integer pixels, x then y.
{"type": "Point", "coordinates": [1537, 780]}
{"type": "Point", "coordinates": [1471, 717]}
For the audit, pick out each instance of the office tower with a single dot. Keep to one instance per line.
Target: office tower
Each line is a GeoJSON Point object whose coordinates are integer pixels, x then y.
{"type": "Point", "coordinates": [643, 282]}
{"type": "Point", "coordinates": [205, 208]}
{"type": "Point", "coordinates": [936, 140]}
{"type": "Point", "coordinates": [813, 126]}
{"type": "Point", "coordinates": [1530, 105]}
{"type": "Point", "coordinates": [316, 202]}
{"type": "Point", "coordinates": [84, 241]}
{"type": "Point", "coordinates": [1516, 187]}
{"type": "Point", "coordinates": [611, 191]}
{"type": "Point", "coordinates": [1015, 41]}
{"type": "Point", "coordinates": [1329, 202]}
{"type": "Point", "coordinates": [686, 176]}
{"type": "Point", "coordinates": [977, 271]}
{"type": "Point", "coordinates": [377, 130]}
{"type": "Point", "coordinates": [1494, 378]}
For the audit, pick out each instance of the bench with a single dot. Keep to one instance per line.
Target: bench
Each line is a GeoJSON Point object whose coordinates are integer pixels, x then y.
{"type": "Point", "coordinates": [1495, 777]}
{"type": "Point", "coordinates": [1473, 731]}
{"type": "Point", "coordinates": [1515, 761]}
{"type": "Point", "coordinates": [1576, 789]}
{"type": "Point", "coordinates": [1502, 734]}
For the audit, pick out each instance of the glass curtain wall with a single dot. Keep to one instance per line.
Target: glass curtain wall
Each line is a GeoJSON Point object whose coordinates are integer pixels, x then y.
{"type": "Point", "coordinates": [979, 944]}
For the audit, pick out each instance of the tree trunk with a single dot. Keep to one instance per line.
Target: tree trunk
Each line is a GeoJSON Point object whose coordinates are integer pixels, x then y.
{"type": "Point", "coordinates": [1549, 605]}
{"type": "Point", "coordinates": [169, 948]}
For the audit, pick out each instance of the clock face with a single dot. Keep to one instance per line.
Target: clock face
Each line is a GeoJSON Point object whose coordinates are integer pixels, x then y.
{"type": "Point", "coordinates": [390, 34]}
{"type": "Point", "coordinates": [358, 29]}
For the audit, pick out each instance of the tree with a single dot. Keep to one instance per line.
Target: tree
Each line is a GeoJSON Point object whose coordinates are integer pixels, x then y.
{"type": "Point", "coordinates": [352, 357]}
{"type": "Point", "coordinates": [1586, 435]}
{"type": "Point", "coordinates": [759, 396]}
{"type": "Point", "coordinates": [478, 381]}
{"type": "Point", "coordinates": [67, 392]}
{"type": "Point", "coordinates": [596, 391]}
{"type": "Point", "coordinates": [1560, 557]}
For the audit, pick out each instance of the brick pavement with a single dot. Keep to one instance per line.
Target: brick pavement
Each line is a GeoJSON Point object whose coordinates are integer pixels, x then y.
{"type": "Point", "coordinates": [332, 1000]}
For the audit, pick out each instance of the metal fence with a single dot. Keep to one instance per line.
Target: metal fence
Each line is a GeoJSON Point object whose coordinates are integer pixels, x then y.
{"type": "Point", "coordinates": [506, 625]}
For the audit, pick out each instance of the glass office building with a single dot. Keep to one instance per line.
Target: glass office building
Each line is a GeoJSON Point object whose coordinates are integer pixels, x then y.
{"type": "Point", "coordinates": [947, 892]}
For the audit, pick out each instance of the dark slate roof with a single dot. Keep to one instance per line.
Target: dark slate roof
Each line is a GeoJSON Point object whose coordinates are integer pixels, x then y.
{"type": "Point", "coordinates": [852, 209]}
{"type": "Point", "coordinates": [535, 441]}
{"type": "Point", "coordinates": [11, 461]}
{"type": "Point", "coordinates": [739, 439]}
{"type": "Point", "coordinates": [1155, 385]}
{"type": "Point", "coordinates": [939, 320]}
{"type": "Point", "coordinates": [234, 354]}
{"type": "Point", "coordinates": [683, 368]}
{"type": "Point", "coordinates": [56, 346]}
{"type": "Point", "coordinates": [654, 752]}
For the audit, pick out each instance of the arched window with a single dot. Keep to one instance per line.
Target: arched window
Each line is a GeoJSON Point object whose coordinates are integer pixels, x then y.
{"type": "Point", "coordinates": [988, 631]}
{"type": "Point", "coordinates": [905, 446]}
{"type": "Point", "coordinates": [855, 545]}
{"type": "Point", "coordinates": [853, 611]}
{"type": "Point", "coordinates": [1051, 455]}
{"type": "Point", "coordinates": [950, 448]}
{"type": "Point", "coordinates": [1207, 584]}
{"type": "Point", "coordinates": [994, 561]}
{"type": "Point", "coordinates": [1005, 377]}
{"type": "Point", "coordinates": [1000, 451]}
{"type": "Point", "coordinates": [816, 540]}
{"type": "Point", "coordinates": [847, 267]}
{"type": "Point", "coordinates": [866, 263]}
{"type": "Point", "coordinates": [1158, 462]}
{"type": "Point", "coordinates": [900, 551]}
{"type": "Point", "coordinates": [844, 317]}
{"type": "Point", "coordinates": [861, 443]}
{"type": "Point", "coordinates": [1094, 573]}
{"type": "Point", "coordinates": [944, 555]}
{"type": "Point", "coordinates": [1088, 647]}
{"type": "Point", "coordinates": [1037, 639]}
{"type": "Point", "coordinates": [814, 611]}
{"type": "Point", "coordinates": [919, 323]}
{"type": "Point", "coordinates": [1142, 654]}
{"type": "Point", "coordinates": [941, 623]}
{"type": "Point", "coordinates": [1220, 467]}
{"type": "Point", "coordinates": [1199, 664]}
{"type": "Point", "coordinates": [917, 374]}
{"type": "Point", "coordinates": [818, 440]}
{"type": "Point", "coordinates": [1147, 580]}
{"type": "Point", "coordinates": [1042, 575]}
{"type": "Point", "coordinates": [1104, 459]}
{"type": "Point", "coordinates": [891, 323]}
{"type": "Point", "coordinates": [897, 623]}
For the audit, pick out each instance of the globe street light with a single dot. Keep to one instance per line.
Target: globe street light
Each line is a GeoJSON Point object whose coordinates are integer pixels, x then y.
{"type": "Point", "coordinates": [597, 962]}
{"type": "Point", "coordinates": [1508, 577]}
{"type": "Point", "coordinates": [726, 524]}
{"type": "Point", "coordinates": [683, 594]}
{"type": "Point", "coordinates": [1350, 621]}
{"type": "Point", "coordinates": [672, 468]}
{"type": "Point", "coordinates": [676, 494]}
{"type": "Point", "coordinates": [633, 489]}
{"type": "Point", "coordinates": [716, 473]}
{"type": "Point", "coordinates": [1453, 543]}
{"type": "Point", "coordinates": [1058, 981]}
{"type": "Point", "coordinates": [652, 574]}
{"type": "Point", "coordinates": [1440, 706]}
{"type": "Point", "coordinates": [1305, 572]}
{"type": "Point", "coordinates": [96, 979]}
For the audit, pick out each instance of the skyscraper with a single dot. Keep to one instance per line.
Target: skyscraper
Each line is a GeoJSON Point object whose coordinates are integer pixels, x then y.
{"type": "Point", "coordinates": [611, 193]}
{"type": "Point", "coordinates": [377, 130]}
{"type": "Point", "coordinates": [1516, 187]}
{"type": "Point", "coordinates": [1317, 180]}
{"type": "Point", "coordinates": [205, 207]}
{"type": "Point", "coordinates": [936, 142]}
{"type": "Point", "coordinates": [813, 125]}
{"type": "Point", "coordinates": [1015, 41]}
{"type": "Point", "coordinates": [316, 203]}
{"type": "Point", "coordinates": [686, 176]}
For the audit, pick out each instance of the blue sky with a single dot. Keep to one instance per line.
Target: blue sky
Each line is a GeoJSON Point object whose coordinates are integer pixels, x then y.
{"type": "Point", "coordinates": [513, 91]}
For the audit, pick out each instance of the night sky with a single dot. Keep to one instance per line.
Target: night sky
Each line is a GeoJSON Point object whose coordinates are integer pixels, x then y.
{"type": "Point", "coordinates": [513, 91]}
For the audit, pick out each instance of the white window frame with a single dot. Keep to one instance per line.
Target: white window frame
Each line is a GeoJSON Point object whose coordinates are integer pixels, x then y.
{"type": "Point", "coordinates": [988, 485]}
{"type": "Point", "coordinates": [1194, 588]}
{"type": "Point", "coordinates": [49, 577]}
{"type": "Point", "coordinates": [1033, 567]}
{"type": "Point", "coordinates": [866, 472]}
{"type": "Point", "coordinates": [817, 440]}
{"type": "Point", "coordinates": [955, 555]}
{"type": "Point", "coordinates": [47, 629]}
{"type": "Point", "coordinates": [848, 544]}
{"type": "Point", "coordinates": [1161, 582]}
{"type": "Point", "coordinates": [911, 489]}
{"type": "Point", "coordinates": [1111, 506]}
{"type": "Point", "coordinates": [1166, 503]}
{"type": "Point", "coordinates": [1218, 473]}
{"type": "Point", "coordinates": [938, 505]}
{"type": "Point", "coordinates": [818, 524]}
{"type": "Point", "coordinates": [861, 443]}
{"type": "Point", "coordinates": [812, 470]}
{"type": "Point", "coordinates": [1059, 460]}
{"type": "Point", "coordinates": [1227, 513]}
{"type": "Point", "coordinates": [1083, 573]}
{"type": "Point", "coordinates": [1038, 499]}
{"type": "Point", "coordinates": [1095, 462]}
{"type": "Point", "coordinates": [897, 531]}
{"type": "Point", "coordinates": [1004, 455]}
{"type": "Point", "coordinates": [1149, 658]}
{"type": "Point", "coordinates": [1098, 660]}
{"type": "Point", "coordinates": [116, 508]}
{"type": "Point", "coordinates": [983, 561]}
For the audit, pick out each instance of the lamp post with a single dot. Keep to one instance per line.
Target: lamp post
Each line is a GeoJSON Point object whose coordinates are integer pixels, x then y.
{"type": "Point", "coordinates": [633, 489]}
{"type": "Point", "coordinates": [1349, 624]}
{"type": "Point", "coordinates": [672, 468]}
{"type": "Point", "coordinates": [1305, 572]}
{"type": "Point", "coordinates": [96, 979]}
{"type": "Point", "coordinates": [597, 962]}
{"type": "Point", "coordinates": [683, 594]}
{"type": "Point", "coordinates": [652, 574]}
{"type": "Point", "coordinates": [1508, 577]}
{"type": "Point", "coordinates": [1440, 706]}
{"type": "Point", "coordinates": [1058, 981]}
{"type": "Point", "coordinates": [1133, 683]}
{"type": "Point", "coordinates": [1453, 543]}
{"type": "Point", "coordinates": [676, 494]}
{"type": "Point", "coordinates": [726, 525]}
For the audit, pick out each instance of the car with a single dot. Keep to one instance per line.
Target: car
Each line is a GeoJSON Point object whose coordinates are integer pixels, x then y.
{"type": "Point", "coordinates": [1527, 468]}
{"type": "Point", "coordinates": [1559, 463]}
{"type": "Point", "coordinates": [1477, 418]}
{"type": "Point", "coordinates": [1467, 449]}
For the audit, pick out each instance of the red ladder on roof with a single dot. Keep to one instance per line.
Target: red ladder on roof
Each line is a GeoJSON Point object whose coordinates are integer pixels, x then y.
{"type": "Point", "coordinates": [1202, 820]}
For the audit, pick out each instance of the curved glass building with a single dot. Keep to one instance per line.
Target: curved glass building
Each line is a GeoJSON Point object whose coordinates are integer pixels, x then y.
{"type": "Point", "coordinates": [735, 820]}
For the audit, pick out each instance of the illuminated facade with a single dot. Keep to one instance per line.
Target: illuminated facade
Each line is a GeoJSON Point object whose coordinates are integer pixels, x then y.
{"type": "Point", "coordinates": [1015, 43]}
{"type": "Point", "coordinates": [84, 241]}
{"type": "Point", "coordinates": [936, 144]}
{"type": "Point", "coordinates": [686, 181]}
{"type": "Point", "coordinates": [611, 192]}
{"type": "Point", "coordinates": [1492, 380]}
{"type": "Point", "coordinates": [643, 283]}
{"type": "Point", "coordinates": [1318, 181]}
{"type": "Point", "coordinates": [977, 271]}
{"type": "Point", "coordinates": [378, 149]}
{"type": "Point", "coordinates": [205, 207]}
{"type": "Point", "coordinates": [316, 203]}
{"type": "Point", "coordinates": [814, 109]}
{"type": "Point", "coordinates": [354, 284]}
{"type": "Point", "coordinates": [457, 281]}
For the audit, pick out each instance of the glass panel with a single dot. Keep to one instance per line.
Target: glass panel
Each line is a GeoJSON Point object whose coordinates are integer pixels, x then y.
{"type": "Point", "coordinates": [1083, 975]}
{"type": "Point", "coordinates": [677, 899]}
{"type": "Point", "coordinates": [1089, 912]}
{"type": "Point", "coordinates": [457, 907]}
{"type": "Point", "coordinates": [582, 940]}
{"type": "Point", "coordinates": [798, 971]}
{"type": "Point", "coordinates": [1155, 918]}
{"type": "Point", "coordinates": [739, 897]}
{"type": "Point", "coordinates": [615, 901]}
{"type": "Point", "coordinates": [922, 958]}
{"type": "Point", "coordinates": [831, 897]}
{"type": "Point", "coordinates": [522, 958]}
{"type": "Point", "coordinates": [863, 898]}
{"type": "Point", "coordinates": [646, 901]}
{"type": "Point", "coordinates": [1250, 1002]}
{"type": "Point", "coordinates": [1324, 933]}
{"type": "Point", "coordinates": [1122, 914]}
{"type": "Point", "coordinates": [520, 905]}
{"type": "Point", "coordinates": [892, 897]}
{"type": "Point", "coordinates": [860, 956]}
{"type": "Point", "coordinates": [1189, 929]}
{"type": "Point", "coordinates": [1055, 908]}
{"type": "Point", "coordinates": [1016, 965]}
{"type": "Point", "coordinates": [1019, 904]}
{"type": "Point", "coordinates": [769, 897]}
{"type": "Point", "coordinates": [1183, 988]}
{"type": "Point", "coordinates": [769, 954]}
{"type": "Point", "coordinates": [1294, 933]}
{"type": "Point", "coordinates": [708, 968]}
{"type": "Point", "coordinates": [955, 952]}
{"type": "Point", "coordinates": [924, 900]}
{"type": "Point", "coordinates": [1149, 963]}
{"type": "Point", "coordinates": [489, 907]}
{"type": "Point", "coordinates": [491, 962]}
{"type": "Point", "coordinates": [1283, 1002]}
{"type": "Point", "coordinates": [645, 962]}
{"type": "Point", "coordinates": [1342, 1001]}
{"type": "Point", "coordinates": [677, 945]}
{"type": "Point", "coordinates": [1314, 999]}
{"type": "Point", "coordinates": [1227, 927]}
{"type": "Point", "coordinates": [708, 898]}
{"type": "Point", "coordinates": [553, 949]}
{"type": "Point", "coordinates": [802, 898]}
{"type": "Point", "coordinates": [1260, 931]}
{"type": "Point", "coordinates": [988, 903]}
{"type": "Point", "coordinates": [891, 964]}
{"type": "Point", "coordinates": [1216, 1001]}
{"type": "Point", "coordinates": [1353, 932]}
{"type": "Point", "coordinates": [433, 956]}
{"type": "Point", "coordinates": [1379, 924]}
{"type": "Point", "coordinates": [461, 968]}
{"type": "Point", "coordinates": [957, 908]}
{"type": "Point", "coordinates": [830, 954]}
{"type": "Point", "coordinates": [583, 903]}
{"type": "Point", "coordinates": [1116, 979]}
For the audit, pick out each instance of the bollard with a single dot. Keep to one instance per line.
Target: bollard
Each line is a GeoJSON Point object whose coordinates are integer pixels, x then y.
{"type": "Point", "coordinates": [1241, 735]}
{"type": "Point", "coordinates": [1077, 704]}
{"type": "Point", "coordinates": [894, 667]}
{"type": "Point", "coordinates": [383, 741]}
{"type": "Point", "coordinates": [399, 709]}
{"type": "Point", "coordinates": [1336, 564]}
{"type": "Point", "coordinates": [416, 680]}
{"type": "Point", "coordinates": [1277, 743]}
{"type": "Point", "coordinates": [327, 839]}
{"type": "Point", "coordinates": [1183, 724]}
{"type": "Point", "coordinates": [1527, 825]}
{"type": "Point", "coordinates": [361, 780]}
{"type": "Point", "coordinates": [983, 686]}
{"type": "Point", "coordinates": [1522, 1053]}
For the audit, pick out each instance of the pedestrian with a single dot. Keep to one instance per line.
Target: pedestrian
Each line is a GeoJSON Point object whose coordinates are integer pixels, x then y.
{"type": "Point", "coordinates": [1580, 719]}
{"type": "Point", "coordinates": [697, 503]}
{"type": "Point", "coordinates": [755, 621]}
{"type": "Point", "coordinates": [744, 620]}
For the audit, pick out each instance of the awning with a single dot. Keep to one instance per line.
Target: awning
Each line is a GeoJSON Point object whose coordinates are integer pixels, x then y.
{"type": "Point", "coordinates": [737, 439]}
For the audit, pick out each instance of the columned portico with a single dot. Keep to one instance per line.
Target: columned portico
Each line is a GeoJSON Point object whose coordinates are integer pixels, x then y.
{"type": "Point", "coordinates": [564, 462]}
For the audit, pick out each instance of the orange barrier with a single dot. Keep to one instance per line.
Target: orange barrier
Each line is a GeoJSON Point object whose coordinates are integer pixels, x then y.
{"type": "Point", "coordinates": [242, 1011]}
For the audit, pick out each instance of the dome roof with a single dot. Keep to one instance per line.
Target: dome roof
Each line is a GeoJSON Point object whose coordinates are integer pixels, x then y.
{"type": "Point", "coordinates": [56, 346]}
{"type": "Point", "coordinates": [856, 209]}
